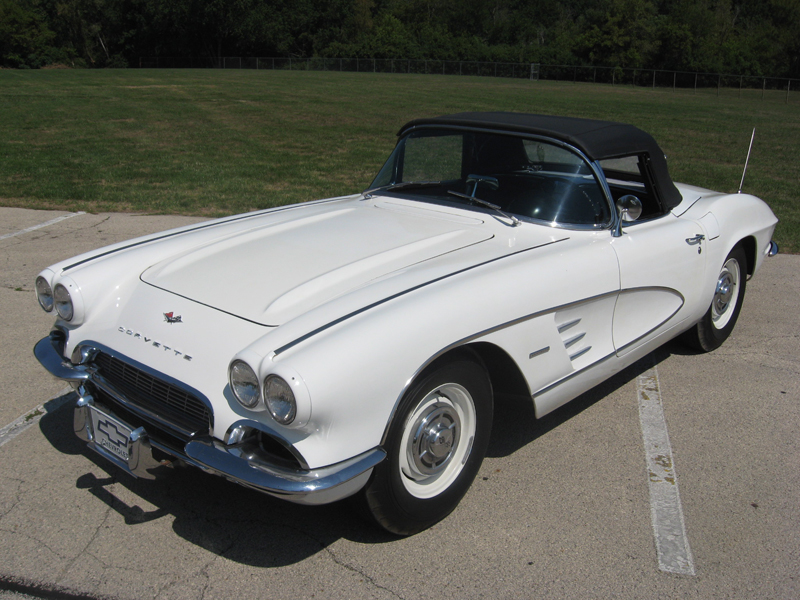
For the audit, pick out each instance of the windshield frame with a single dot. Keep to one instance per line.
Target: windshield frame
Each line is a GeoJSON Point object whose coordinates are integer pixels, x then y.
{"type": "Point", "coordinates": [394, 159]}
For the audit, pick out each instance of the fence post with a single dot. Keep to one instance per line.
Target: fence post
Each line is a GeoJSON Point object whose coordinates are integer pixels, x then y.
{"type": "Point", "coordinates": [594, 76]}
{"type": "Point", "coordinates": [740, 86]}
{"type": "Point", "coordinates": [695, 83]}
{"type": "Point", "coordinates": [613, 76]}
{"type": "Point", "coordinates": [674, 79]}
{"type": "Point", "coordinates": [373, 66]}
{"type": "Point", "coordinates": [575, 75]}
{"type": "Point", "coordinates": [788, 88]}
{"type": "Point", "coordinates": [654, 79]}
{"type": "Point", "coordinates": [719, 84]}
{"type": "Point", "coordinates": [240, 62]}
{"type": "Point", "coordinates": [763, 87]}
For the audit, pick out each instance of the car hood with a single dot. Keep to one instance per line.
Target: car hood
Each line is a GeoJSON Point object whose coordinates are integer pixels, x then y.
{"type": "Point", "coordinates": [279, 269]}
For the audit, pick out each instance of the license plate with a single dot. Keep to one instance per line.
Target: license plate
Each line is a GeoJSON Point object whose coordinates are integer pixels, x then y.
{"type": "Point", "coordinates": [111, 433]}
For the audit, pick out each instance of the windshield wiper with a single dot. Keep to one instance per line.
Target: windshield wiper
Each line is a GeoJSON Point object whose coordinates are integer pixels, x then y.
{"type": "Point", "coordinates": [402, 185]}
{"type": "Point", "coordinates": [492, 183]}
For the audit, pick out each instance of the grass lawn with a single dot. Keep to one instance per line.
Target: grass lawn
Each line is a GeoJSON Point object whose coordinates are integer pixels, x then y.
{"type": "Point", "coordinates": [218, 142]}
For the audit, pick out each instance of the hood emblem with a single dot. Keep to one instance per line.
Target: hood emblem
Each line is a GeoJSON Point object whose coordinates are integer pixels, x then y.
{"type": "Point", "coordinates": [170, 318]}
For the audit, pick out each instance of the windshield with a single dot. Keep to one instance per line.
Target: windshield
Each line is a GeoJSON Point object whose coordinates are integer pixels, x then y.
{"type": "Point", "coordinates": [524, 177]}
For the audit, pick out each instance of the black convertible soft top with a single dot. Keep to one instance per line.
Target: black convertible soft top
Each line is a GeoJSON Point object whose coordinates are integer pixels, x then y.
{"type": "Point", "coordinates": [599, 140]}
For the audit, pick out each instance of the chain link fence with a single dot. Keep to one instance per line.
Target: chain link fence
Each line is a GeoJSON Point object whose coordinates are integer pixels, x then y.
{"type": "Point", "coordinates": [714, 83]}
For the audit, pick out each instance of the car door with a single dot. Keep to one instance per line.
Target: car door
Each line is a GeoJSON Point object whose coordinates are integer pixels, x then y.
{"type": "Point", "coordinates": [662, 265]}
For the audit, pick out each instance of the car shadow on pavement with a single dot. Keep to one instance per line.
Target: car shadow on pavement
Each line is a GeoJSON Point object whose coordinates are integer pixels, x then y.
{"type": "Point", "coordinates": [239, 524]}
{"type": "Point", "coordinates": [515, 424]}
{"type": "Point", "coordinates": [251, 528]}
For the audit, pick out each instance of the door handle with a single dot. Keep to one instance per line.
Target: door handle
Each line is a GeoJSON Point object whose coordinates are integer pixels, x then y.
{"type": "Point", "coordinates": [696, 241]}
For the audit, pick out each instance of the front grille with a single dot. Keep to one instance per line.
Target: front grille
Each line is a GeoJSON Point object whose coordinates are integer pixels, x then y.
{"type": "Point", "coordinates": [140, 388]}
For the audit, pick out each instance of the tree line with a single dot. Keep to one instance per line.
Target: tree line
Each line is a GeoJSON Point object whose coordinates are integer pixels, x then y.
{"type": "Point", "coordinates": [741, 37]}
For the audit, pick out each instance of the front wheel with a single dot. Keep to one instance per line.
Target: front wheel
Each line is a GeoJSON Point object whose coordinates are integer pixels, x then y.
{"type": "Point", "coordinates": [718, 322]}
{"type": "Point", "coordinates": [435, 446]}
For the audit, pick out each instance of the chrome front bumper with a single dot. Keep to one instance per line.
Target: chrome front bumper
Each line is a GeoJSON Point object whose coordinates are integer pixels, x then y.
{"type": "Point", "coordinates": [234, 462]}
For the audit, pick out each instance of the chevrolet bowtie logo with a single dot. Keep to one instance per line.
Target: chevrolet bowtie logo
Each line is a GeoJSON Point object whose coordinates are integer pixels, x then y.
{"type": "Point", "coordinates": [112, 433]}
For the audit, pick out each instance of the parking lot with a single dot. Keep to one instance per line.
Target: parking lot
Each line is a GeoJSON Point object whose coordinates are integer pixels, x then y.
{"type": "Point", "coordinates": [560, 509]}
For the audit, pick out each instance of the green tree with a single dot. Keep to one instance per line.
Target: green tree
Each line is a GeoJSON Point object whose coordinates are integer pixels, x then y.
{"type": "Point", "coordinates": [25, 38]}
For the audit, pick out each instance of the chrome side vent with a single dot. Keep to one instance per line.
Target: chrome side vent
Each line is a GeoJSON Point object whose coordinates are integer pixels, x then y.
{"type": "Point", "coordinates": [572, 337]}
{"type": "Point", "coordinates": [574, 340]}
{"type": "Point", "coordinates": [562, 328]}
{"type": "Point", "coordinates": [580, 353]}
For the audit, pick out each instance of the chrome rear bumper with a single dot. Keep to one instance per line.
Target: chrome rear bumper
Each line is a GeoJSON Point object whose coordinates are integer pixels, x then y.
{"type": "Point", "coordinates": [235, 462]}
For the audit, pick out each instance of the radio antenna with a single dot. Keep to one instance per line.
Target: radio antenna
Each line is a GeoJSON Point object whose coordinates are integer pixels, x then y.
{"type": "Point", "coordinates": [752, 137]}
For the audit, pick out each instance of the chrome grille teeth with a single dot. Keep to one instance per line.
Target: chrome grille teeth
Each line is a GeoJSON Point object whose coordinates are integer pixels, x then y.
{"type": "Point", "coordinates": [154, 394]}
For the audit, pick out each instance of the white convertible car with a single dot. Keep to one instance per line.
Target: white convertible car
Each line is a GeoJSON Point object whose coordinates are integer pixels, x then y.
{"type": "Point", "coordinates": [356, 345]}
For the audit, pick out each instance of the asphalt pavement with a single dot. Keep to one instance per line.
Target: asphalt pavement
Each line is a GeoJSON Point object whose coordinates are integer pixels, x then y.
{"type": "Point", "coordinates": [560, 509]}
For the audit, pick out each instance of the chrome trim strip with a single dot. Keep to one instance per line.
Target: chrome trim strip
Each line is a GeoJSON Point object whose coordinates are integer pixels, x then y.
{"type": "Point", "coordinates": [617, 350]}
{"type": "Point", "coordinates": [539, 352]}
{"type": "Point", "coordinates": [198, 228]}
{"type": "Point", "coordinates": [644, 335]}
{"type": "Point", "coordinates": [303, 338]}
{"type": "Point", "coordinates": [544, 390]}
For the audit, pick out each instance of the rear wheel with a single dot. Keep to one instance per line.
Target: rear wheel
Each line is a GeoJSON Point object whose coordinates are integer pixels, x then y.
{"type": "Point", "coordinates": [435, 447]}
{"type": "Point", "coordinates": [720, 319]}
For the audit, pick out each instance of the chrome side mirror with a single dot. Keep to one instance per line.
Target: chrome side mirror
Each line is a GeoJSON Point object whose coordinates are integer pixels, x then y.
{"type": "Point", "coordinates": [629, 208]}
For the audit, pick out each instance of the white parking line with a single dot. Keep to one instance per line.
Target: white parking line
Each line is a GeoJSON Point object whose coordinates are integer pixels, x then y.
{"type": "Point", "coordinates": [40, 225]}
{"type": "Point", "coordinates": [672, 545]}
{"type": "Point", "coordinates": [30, 418]}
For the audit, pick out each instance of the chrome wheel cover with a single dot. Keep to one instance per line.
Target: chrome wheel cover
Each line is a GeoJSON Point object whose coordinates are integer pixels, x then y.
{"type": "Point", "coordinates": [437, 439]}
{"type": "Point", "coordinates": [726, 294]}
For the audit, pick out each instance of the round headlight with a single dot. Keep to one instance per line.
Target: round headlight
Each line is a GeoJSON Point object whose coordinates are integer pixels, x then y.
{"type": "Point", "coordinates": [279, 399]}
{"type": "Point", "coordinates": [44, 294]}
{"type": "Point", "coordinates": [244, 384]}
{"type": "Point", "coordinates": [63, 302]}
